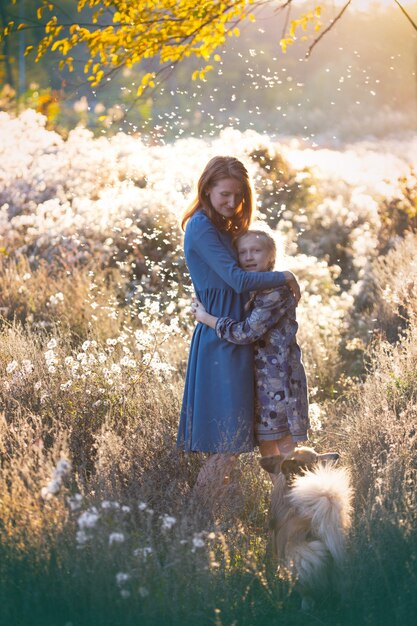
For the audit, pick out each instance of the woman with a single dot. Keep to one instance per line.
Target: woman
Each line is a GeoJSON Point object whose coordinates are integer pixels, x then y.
{"type": "Point", "coordinates": [217, 413]}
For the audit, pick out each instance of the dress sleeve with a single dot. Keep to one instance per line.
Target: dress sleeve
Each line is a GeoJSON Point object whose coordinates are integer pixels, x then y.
{"type": "Point", "coordinates": [268, 309]}
{"type": "Point", "coordinates": [207, 244]}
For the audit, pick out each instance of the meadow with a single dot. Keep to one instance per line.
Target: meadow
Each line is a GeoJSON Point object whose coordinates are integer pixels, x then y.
{"type": "Point", "coordinates": [97, 526]}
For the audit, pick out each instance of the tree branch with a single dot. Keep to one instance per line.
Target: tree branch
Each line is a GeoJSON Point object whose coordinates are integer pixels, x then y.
{"type": "Point", "coordinates": [330, 26]}
{"type": "Point", "coordinates": [407, 15]}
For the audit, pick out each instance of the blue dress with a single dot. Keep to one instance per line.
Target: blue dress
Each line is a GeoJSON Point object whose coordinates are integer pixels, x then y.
{"type": "Point", "coordinates": [217, 412]}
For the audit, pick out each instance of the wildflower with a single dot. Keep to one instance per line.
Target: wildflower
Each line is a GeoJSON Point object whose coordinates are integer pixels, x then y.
{"type": "Point", "coordinates": [167, 522]}
{"type": "Point", "coordinates": [56, 298]}
{"type": "Point", "coordinates": [145, 552]}
{"type": "Point", "coordinates": [121, 578]}
{"type": "Point", "coordinates": [52, 369]}
{"type": "Point", "coordinates": [86, 345]}
{"type": "Point", "coordinates": [108, 504]}
{"type": "Point", "coordinates": [27, 366]}
{"type": "Point", "coordinates": [11, 366]}
{"type": "Point", "coordinates": [26, 276]}
{"type": "Point", "coordinates": [89, 518]}
{"type": "Point", "coordinates": [116, 538]}
{"type": "Point", "coordinates": [66, 385]}
{"type": "Point", "coordinates": [315, 414]}
{"type": "Point", "coordinates": [126, 509]}
{"type": "Point", "coordinates": [52, 344]}
{"type": "Point", "coordinates": [81, 537]}
{"type": "Point", "coordinates": [50, 356]}
{"type": "Point", "coordinates": [75, 501]}
{"type": "Point", "coordinates": [198, 542]}
{"type": "Point", "coordinates": [142, 506]}
{"type": "Point", "coordinates": [143, 592]}
{"type": "Point", "coordinates": [62, 467]}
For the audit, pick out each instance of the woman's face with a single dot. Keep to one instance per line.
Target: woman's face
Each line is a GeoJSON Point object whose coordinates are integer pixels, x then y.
{"type": "Point", "coordinates": [225, 196]}
{"type": "Point", "coordinates": [253, 254]}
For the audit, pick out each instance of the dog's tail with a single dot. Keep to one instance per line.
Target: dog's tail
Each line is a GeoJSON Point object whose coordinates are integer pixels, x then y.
{"type": "Point", "coordinates": [324, 495]}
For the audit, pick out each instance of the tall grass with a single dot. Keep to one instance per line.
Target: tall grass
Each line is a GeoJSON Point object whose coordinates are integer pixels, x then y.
{"type": "Point", "coordinates": [98, 524]}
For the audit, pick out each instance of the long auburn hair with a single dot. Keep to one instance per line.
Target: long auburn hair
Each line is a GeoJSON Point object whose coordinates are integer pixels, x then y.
{"type": "Point", "coordinates": [218, 168]}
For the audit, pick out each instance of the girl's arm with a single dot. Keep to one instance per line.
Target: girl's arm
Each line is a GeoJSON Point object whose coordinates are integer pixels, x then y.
{"type": "Point", "coordinates": [205, 241]}
{"type": "Point", "coordinates": [268, 310]}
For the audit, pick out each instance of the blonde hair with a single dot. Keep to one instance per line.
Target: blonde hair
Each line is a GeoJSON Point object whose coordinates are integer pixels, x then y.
{"type": "Point", "coordinates": [219, 168]}
{"type": "Point", "coordinates": [268, 241]}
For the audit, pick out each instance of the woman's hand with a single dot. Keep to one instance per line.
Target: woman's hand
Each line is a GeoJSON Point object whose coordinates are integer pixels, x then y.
{"type": "Point", "coordinates": [291, 282]}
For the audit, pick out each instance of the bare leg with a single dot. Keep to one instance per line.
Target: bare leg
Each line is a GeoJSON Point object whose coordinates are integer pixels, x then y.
{"type": "Point", "coordinates": [274, 447]}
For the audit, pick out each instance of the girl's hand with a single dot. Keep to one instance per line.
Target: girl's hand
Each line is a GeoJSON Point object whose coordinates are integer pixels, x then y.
{"type": "Point", "coordinates": [198, 310]}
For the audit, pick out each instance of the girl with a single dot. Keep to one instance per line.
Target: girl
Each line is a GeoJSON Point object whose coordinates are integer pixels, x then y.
{"type": "Point", "coordinates": [218, 403]}
{"type": "Point", "coordinates": [280, 380]}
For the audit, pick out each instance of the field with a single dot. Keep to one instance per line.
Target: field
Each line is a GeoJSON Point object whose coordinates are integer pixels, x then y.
{"type": "Point", "coordinates": [97, 526]}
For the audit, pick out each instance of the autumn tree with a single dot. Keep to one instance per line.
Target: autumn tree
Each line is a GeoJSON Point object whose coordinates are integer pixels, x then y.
{"type": "Point", "coordinates": [156, 35]}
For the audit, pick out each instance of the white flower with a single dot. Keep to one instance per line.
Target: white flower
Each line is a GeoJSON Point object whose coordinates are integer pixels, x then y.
{"type": "Point", "coordinates": [143, 592]}
{"type": "Point", "coordinates": [168, 522]}
{"type": "Point", "coordinates": [86, 345]}
{"type": "Point", "coordinates": [88, 519]}
{"type": "Point", "coordinates": [27, 366]}
{"type": "Point", "coordinates": [198, 541]}
{"type": "Point", "coordinates": [69, 360]}
{"type": "Point", "coordinates": [50, 356]}
{"type": "Point", "coordinates": [81, 537]}
{"type": "Point", "coordinates": [75, 501]}
{"type": "Point", "coordinates": [66, 385]}
{"type": "Point", "coordinates": [126, 509]}
{"type": "Point", "coordinates": [145, 552]}
{"type": "Point", "coordinates": [122, 577]}
{"type": "Point", "coordinates": [142, 506]}
{"type": "Point", "coordinates": [11, 366]}
{"type": "Point", "coordinates": [52, 344]}
{"type": "Point", "coordinates": [116, 538]}
{"type": "Point", "coordinates": [26, 276]}
{"type": "Point", "coordinates": [108, 504]}
{"type": "Point", "coordinates": [56, 298]}
{"type": "Point", "coordinates": [63, 467]}
{"type": "Point", "coordinates": [52, 369]}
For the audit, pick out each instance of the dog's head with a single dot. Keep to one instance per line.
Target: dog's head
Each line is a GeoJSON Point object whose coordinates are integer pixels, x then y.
{"type": "Point", "coordinates": [296, 462]}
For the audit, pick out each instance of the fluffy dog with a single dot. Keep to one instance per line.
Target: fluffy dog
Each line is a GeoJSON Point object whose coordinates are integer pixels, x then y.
{"type": "Point", "coordinates": [310, 517]}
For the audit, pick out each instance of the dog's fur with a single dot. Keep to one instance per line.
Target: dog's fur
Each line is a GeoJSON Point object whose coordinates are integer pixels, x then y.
{"type": "Point", "coordinates": [310, 516]}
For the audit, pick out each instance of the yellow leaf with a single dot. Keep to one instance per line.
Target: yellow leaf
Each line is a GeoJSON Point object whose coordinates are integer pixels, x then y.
{"type": "Point", "coordinates": [28, 50]}
{"type": "Point", "coordinates": [195, 75]}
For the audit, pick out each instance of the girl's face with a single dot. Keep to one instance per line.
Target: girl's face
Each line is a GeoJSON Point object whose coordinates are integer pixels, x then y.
{"type": "Point", "coordinates": [225, 196]}
{"type": "Point", "coordinates": [253, 253]}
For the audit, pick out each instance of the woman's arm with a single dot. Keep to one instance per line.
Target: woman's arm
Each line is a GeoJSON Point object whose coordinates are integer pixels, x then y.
{"type": "Point", "coordinates": [205, 241]}
{"type": "Point", "coordinates": [269, 308]}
